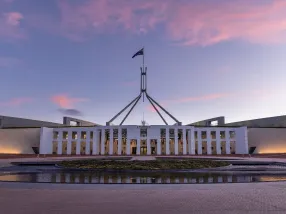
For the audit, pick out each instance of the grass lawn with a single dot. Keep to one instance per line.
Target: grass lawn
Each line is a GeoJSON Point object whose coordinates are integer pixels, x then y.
{"type": "Point", "coordinates": [142, 165]}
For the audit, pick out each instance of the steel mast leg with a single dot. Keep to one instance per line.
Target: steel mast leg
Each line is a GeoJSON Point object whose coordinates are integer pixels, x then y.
{"type": "Point", "coordinates": [179, 123]}
{"type": "Point", "coordinates": [130, 110]}
{"type": "Point", "coordinates": [156, 110]}
{"type": "Point", "coordinates": [110, 121]}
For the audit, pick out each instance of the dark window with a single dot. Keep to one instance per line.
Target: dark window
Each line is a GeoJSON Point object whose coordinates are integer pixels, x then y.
{"type": "Point", "coordinates": [203, 148]}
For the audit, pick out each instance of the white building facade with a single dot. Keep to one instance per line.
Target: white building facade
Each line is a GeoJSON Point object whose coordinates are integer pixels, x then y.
{"type": "Point", "coordinates": [144, 140]}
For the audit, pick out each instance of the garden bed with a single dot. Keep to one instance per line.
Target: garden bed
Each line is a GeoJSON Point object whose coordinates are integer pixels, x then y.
{"type": "Point", "coordinates": [142, 165]}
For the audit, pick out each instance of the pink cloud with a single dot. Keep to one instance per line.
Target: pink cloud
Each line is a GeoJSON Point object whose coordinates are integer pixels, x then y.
{"type": "Point", "coordinates": [151, 108]}
{"type": "Point", "coordinates": [13, 18]}
{"type": "Point", "coordinates": [183, 22]}
{"type": "Point", "coordinates": [207, 97]}
{"type": "Point", "coordinates": [252, 94]}
{"type": "Point", "coordinates": [10, 26]}
{"type": "Point", "coordinates": [212, 23]}
{"type": "Point", "coordinates": [187, 22]}
{"type": "Point", "coordinates": [199, 98]}
{"type": "Point", "coordinates": [64, 101]}
{"type": "Point", "coordinates": [16, 102]}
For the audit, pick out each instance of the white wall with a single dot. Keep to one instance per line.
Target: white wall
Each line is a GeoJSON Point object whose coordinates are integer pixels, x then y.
{"type": "Point", "coordinates": [267, 140]}
{"type": "Point", "coordinates": [46, 139]}
{"type": "Point", "coordinates": [19, 141]}
{"type": "Point", "coordinates": [239, 139]}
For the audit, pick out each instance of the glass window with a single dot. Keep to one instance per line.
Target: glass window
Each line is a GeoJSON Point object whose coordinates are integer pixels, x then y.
{"type": "Point", "coordinates": [213, 134]}
{"type": "Point", "coordinates": [222, 134]}
{"type": "Point", "coordinates": [65, 135]}
{"type": "Point", "coordinates": [204, 135]}
{"type": "Point", "coordinates": [232, 134]}
{"type": "Point", "coordinates": [56, 135]}
{"type": "Point", "coordinates": [74, 135]}
{"type": "Point", "coordinates": [83, 135]}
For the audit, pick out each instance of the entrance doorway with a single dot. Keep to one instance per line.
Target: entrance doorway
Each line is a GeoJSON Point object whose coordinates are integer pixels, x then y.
{"type": "Point", "coordinates": [153, 150]}
{"type": "Point", "coordinates": [133, 150]}
{"type": "Point", "coordinates": [143, 150]}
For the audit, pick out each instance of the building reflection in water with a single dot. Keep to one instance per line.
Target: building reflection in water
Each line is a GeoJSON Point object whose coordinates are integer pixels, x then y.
{"type": "Point", "coordinates": [139, 178]}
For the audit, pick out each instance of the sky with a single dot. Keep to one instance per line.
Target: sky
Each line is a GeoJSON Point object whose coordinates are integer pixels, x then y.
{"type": "Point", "coordinates": [204, 58]}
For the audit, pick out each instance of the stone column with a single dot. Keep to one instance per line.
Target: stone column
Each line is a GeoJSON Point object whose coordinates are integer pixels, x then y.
{"type": "Point", "coordinates": [111, 141]}
{"type": "Point", "coordinates": [119, 147]}
{"type": "Point", "coordinates": [209, 142]}
{"type": "Point", "coordinates": [138, 145]}
{"type": "Point", "coordinates": [192, 144]}
{"type": "Point", "coordinates": [184, 142]}
{"type": "Point", "coordinates": [227, 145]}
{"type": "Point", "coordinates": [102, 146]}
{"type": "Point", "coordinates": [199, 133]}
{"type": "Point", "coordinates": [69, 143]}
{"type": "Point", "coordinates": [148, 146]}
{"type": "Point", "coordinates": [87, 143]}
{"type": "Point", "coordinates": [60, 143]}
{"type": "Point", "coordinates": [167, 141]}
{"type": "Point", "coordinates": [78, 139]}
{"type": "Point", "coordinates": [176, 141]}
{"type": "Point", "coordinates": [95, 142]}
{"type": "Point", "coordinates": [218, 144]}
{"type": "Point", "coordinates": [128, 146]}
{"type": "Point", "coordinates": [159, 152]}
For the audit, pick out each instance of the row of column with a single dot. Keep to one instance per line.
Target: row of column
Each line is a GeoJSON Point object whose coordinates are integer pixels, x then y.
{"type": "Point", "coordinates": [95, 148]}
{"type": "Point", "coordinates": [68, 178]}
{"type": "Point", "coordinates": [191, 139]}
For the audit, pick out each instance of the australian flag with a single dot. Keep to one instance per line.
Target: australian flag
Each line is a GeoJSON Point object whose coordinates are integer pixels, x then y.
{"type": "Point", "coordinates": [141, 52]}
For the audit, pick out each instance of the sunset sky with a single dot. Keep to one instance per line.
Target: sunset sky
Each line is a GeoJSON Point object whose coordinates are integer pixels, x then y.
{"type": "Point", "coordinates": [205, 58]}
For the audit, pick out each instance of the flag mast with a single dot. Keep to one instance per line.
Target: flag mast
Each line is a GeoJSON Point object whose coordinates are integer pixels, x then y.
{"type": "Point", "coordinates": [144, 73]}
{"type": "Point", "coordinates": [143, 58]}
{"type": "Point", "coordinates": [143, 91]}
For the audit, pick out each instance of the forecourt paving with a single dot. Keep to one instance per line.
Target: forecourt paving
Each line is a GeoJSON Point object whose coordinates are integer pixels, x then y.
{"type": "Point", "coordinates": [27, 198]}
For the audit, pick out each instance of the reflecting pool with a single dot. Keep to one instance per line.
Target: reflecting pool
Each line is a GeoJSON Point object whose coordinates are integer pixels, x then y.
{"type": "Point", "coordinates": [139, 178]}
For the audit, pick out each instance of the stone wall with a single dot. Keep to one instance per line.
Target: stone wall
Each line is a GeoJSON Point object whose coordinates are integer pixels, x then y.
{"type": "Point", "coordinates": [19, 141]}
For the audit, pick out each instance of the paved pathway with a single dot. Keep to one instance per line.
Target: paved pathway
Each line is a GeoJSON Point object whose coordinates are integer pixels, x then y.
{"type": "Point", "coordinates": [143, 158]}
{"type": "Point", "coordinates": [18, 198]}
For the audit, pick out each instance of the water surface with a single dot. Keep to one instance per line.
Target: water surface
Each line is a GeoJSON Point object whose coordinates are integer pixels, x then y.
{"type": "Point", "coordinates": [139, 178]}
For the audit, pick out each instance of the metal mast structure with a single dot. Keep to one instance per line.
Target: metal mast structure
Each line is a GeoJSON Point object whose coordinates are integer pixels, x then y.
{"type": "Point", "coordinates": [143, 91]}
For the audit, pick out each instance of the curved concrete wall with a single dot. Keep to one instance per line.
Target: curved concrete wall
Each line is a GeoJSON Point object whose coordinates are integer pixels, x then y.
{"type": "Point", "coordinates": [267, 140]}
{"type": "Point", "coordinates": [19, 141]}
